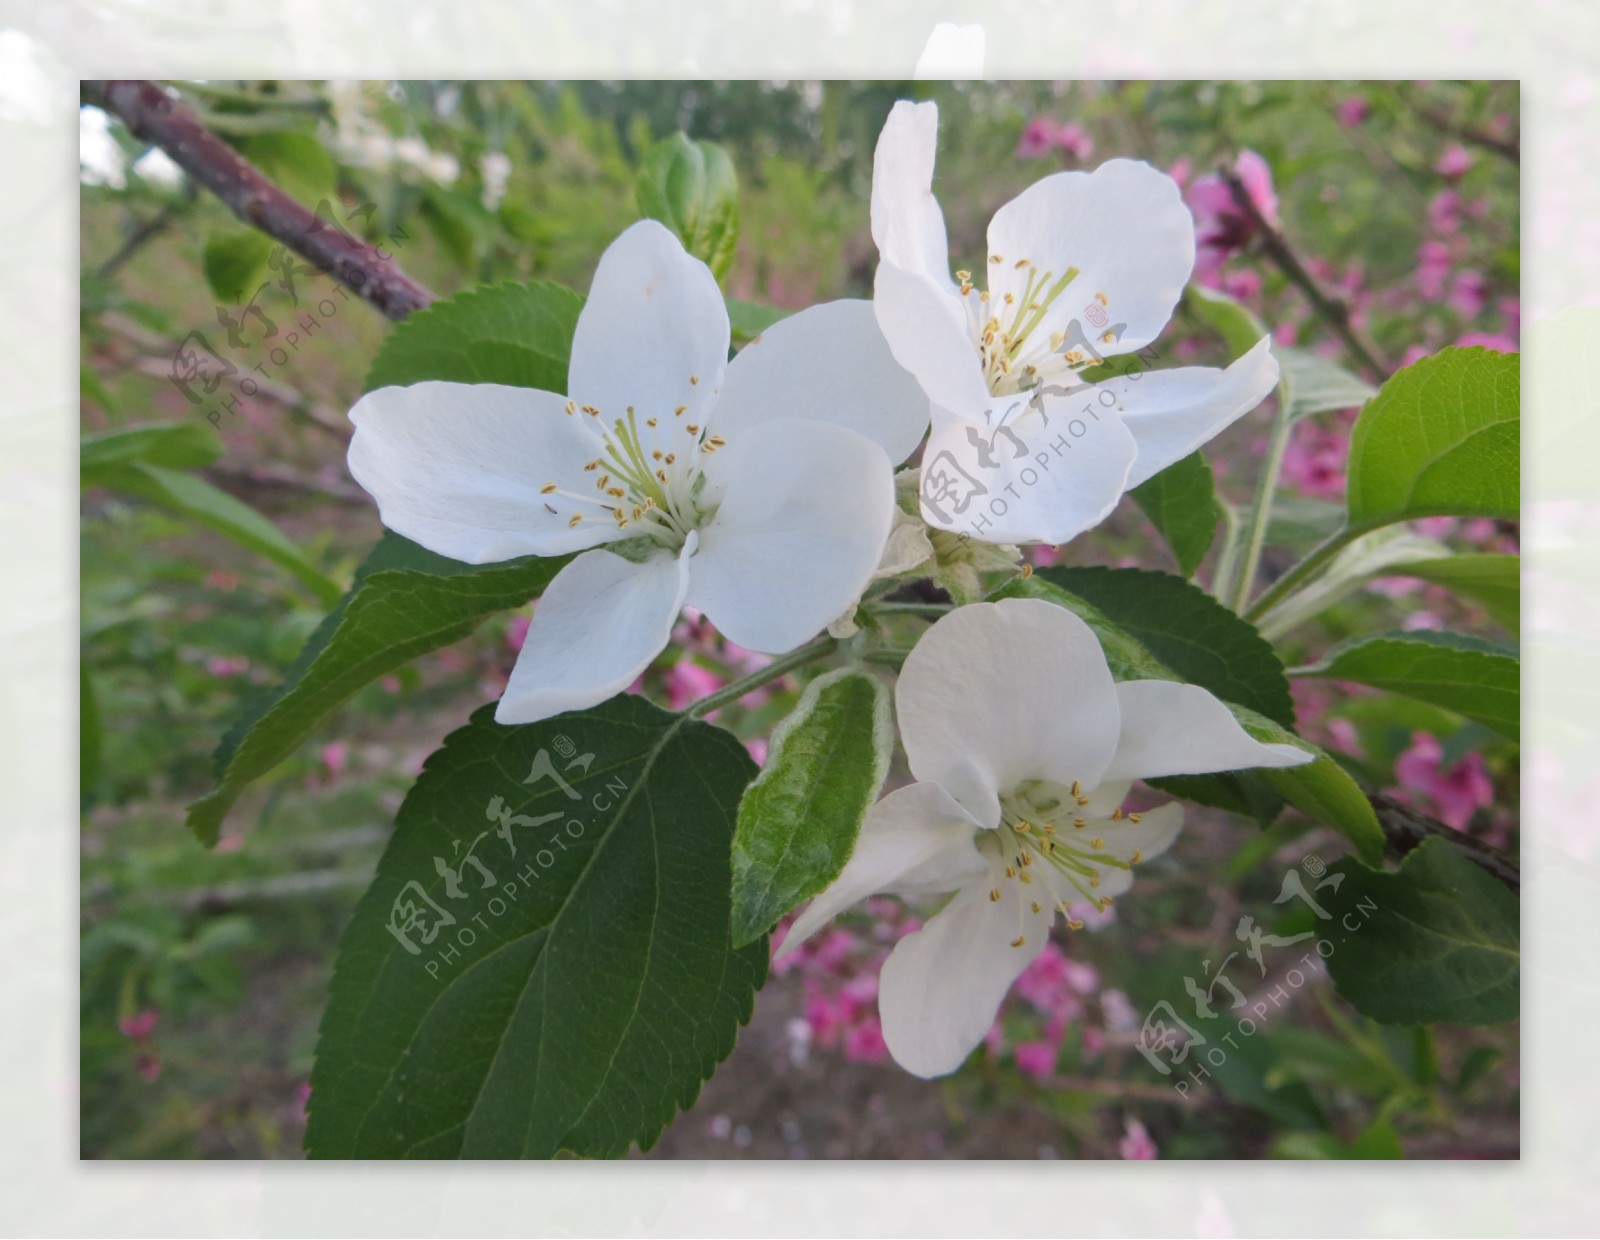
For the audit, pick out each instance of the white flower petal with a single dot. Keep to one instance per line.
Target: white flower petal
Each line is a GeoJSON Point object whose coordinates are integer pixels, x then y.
{"type": "Point", "coordinates": [598, 626]}
{"type": "Point", "coordinates": [831, 364]}
{"type": "Point", "coordinates": [928, 332]}
{"type": "Point", "coordinates": [1175, 729]}
{"type": "Point", "coordinates": [1151, 836]}
{"type": "Point", "coordinates": [1126, 229]}
{"type": "Point", "coordinates": [907, 224]}
{"type": "Point", "coordinates": [942, 985]}
{"type": "Point", "coordinates": [804, 514]}
{"type": "Point", "coordinates": [1046, 474]}
{"type": "Point", "coordinates": [458, 467]}
{"type": "Point", "coordinates": [998, 693]}
{"type": "Point", "coordinates": [916, 840]}
{"type": "Point", "coordinates": [1170, 413]}
{"type": "Point", "coordinates": [654, 331]}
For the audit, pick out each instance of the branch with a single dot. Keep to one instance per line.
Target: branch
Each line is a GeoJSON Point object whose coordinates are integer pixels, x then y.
{"type": "Point", "coordinates": [1404, 830]}
{"type": "Point", "coordinates": [144, 232]}
{"type": "Point", "coordinates": [1445, 124]}
{"type": "Point", "coordinates": [1329, 307]}
{"type": "Point", "coordinates": [157, 117]}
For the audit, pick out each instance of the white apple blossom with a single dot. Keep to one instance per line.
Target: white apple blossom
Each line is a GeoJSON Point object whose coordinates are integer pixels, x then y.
{"type": "Point", "coordinates": [1082, 267]}
{"type": "Point", "coordinates": [759, 491]}
{"type": "Point", "coordinates": [1023, 750]}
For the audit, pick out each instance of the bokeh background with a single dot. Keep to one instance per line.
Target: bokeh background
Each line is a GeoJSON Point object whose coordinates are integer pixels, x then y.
{"type": "Point", "coordinates": [204, 973]}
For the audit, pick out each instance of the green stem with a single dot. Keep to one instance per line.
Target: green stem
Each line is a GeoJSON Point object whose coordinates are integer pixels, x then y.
{"type": "Point", "coordinates": [1261, 512]}
{"type": "Point", "coordinates": [773, 671]}
{"type": "Point", "coordinates": [913, 609]}
{"type": "Point", "coordinates": [1222, 578]}
{"type": "Point", "coordinates": [1306, 568]}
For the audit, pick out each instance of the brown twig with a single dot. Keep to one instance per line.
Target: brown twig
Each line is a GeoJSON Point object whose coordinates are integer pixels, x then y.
{"type": "Point", "coordinates": [1329, 307]}
{"type": "Point", "coordinates": [1445, 124]}
{"type": "Point", "coordinates": [1405, 829]}
{"type": "Point", "coordinates": [143, 233]}
{"type": "Point", "coordinates": [154, 116]}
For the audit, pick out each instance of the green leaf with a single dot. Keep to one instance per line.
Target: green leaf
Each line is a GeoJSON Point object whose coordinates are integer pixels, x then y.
{"type": "Point", "coordinates": [1436, 942]}
{"type": "Point", "coordinates": [1181, 502]}
{"type": "Point", "coordinates": [516, 334]}
{"type": "Point", "coordinates": [1188, 631]}
{"type": "Point", "coordinates": [798, 822]}
{"type": "Point", "coordinates": [1439, 439]}
{"type": "Point", "coordinates": [405, 602]}
{"type": "Point", "coordinates": [1493, 580]}
{"type": "Point", "coordinates": [1389, 550]}
{"type": "Point", "coordinates": [749, 320]}
{"type": "Point", "coordinates": [692, 189]}
{"type": "Point", "coordinates": [1316, 385]}
{"type": "Point", "coordinates": [296, 162]}
{"type": "Point", "coordinates": [1473, 677]}
{"type": "Point", "coordinates": [1239, 329]}
{"type": "Point", "coordinates": [584, 988]}
{"type": "Point", "coordinates": [235, 263]}
{"type": "Point", "coordinates": [198, 500]}
{"type": "Point", "coordinates": [172, 445]}
{"type": "Point", "coordinates": [1231, 664]}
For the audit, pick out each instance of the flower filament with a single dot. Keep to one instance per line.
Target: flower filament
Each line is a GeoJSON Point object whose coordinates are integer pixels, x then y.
{"type": "Point", "coordinates": [1015, 358]}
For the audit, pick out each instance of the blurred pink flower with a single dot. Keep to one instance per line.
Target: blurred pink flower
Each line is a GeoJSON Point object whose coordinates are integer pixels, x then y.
{"type": "Point", "coordinates": [1454, 162]}
{"type": "Point", "coordinates": [1454, 794]}
{"type": "Point", "coordinates": [139, 1026]}
{"type": "Point", "coordinates": [148, 1066]}
{"type": "Point", "coordinates": [220, 666]}
{"type": "Point", "coordinates": [517, 632]}
{"type": "Point", "coordinates": [1118, 1010]}
{"type": "Point", "coordinates": [1222, 227]}
{"type": "Point", "coordinates": [1444, 212]}
{"type": "Point", "coordinates": [757, 748]}
{"type": "Point", "coordinates": [1488, 340]}
{"type": "Point", "coordinates": [1352, 111]}
{"type": "Point", "coordinates": [335, 758]}
{"type": "Point", "coordinates": [1074, 141]}
{"type": "Point", "coordinates": [1094, 1041]}
{"type": "Point", "coordinates": [1035, 1059]}
{"type": "Point", "coordinates": [1314, 463]}
{"type": "Point", "coordinates": [1468, 293]}
{"type": "Point", "coordinates": [1038, 138]}
{"type": "Point", "coordinates": [1179, 172]}
{"type": "Point", "coordinates": [864, 1042]}
{"type": "Point", "coordinates": [687, 682]}
{"type": "Point", "coordinates": [1419, 620]}
{"type": "Point", "coordinates": [1136, 1143]}
{"type": "Point", "coordinates": [1433, 266]}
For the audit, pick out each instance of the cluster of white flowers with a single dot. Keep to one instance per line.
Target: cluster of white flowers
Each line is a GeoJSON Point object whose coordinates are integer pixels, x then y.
{"type": "Point", "coordinates": [761, 491]}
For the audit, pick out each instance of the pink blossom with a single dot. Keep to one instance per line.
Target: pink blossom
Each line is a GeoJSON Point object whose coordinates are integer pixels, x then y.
{"type": "Point", "coordinates": [1420, 620]}
{"type": "Point", "coordinates": [1179, 172]}
{"type": "Point", "coordinates": [335, 757]}
{"type": "Point", "coordinates": [864, 1042]}
{"type": "Point", "coordinates": [756, 746]}
{"type": "Point", "coordinates": [1136, 1144]}
{"type": "Point", "coordinates": [1035, 1059]}
{"type": "Point", "coordinates": [1352, 111]}
{"type": "Point", "coordinates": [1242, 285]}
{"type": "Point", "coordinates": [148, 1066]}
{"type": "Point", "coordinates": [1455, 794]}
{"type": "Point", "coordinates": [1488, 340]}
{"type": "Point", "coordinates": [832, 951]}
{"type": "Point", "coordinates": [225, 667]}
{"type": "Point", "coordinates": [687, 682]}
{"type": "Point", "coordinates": [1038, 138]}
{"type": "Point", "coordinates": [1342, 733]}
{"type": "Point", "coordinates": [1074, 141]}
{"type": "Point", "coordinates": [517, 632]}
{"type": "Point", "coordinates": [1314, 463]}
{"type": "Point", "coordinates": [1094, 1041]}
{"type": "Point", "coordinates": [1433, 266]}
{"type": "Point", "coordinates": [1444, 212]}
{"type": "Point", "coordinates": [1468, 292]}
{"type": "Point", "coordinates": [1118, 1010]}
{"type": "Point", "coordinates": [1454, 162]}
{"type": "Point", "coordinates": [139, 1026]}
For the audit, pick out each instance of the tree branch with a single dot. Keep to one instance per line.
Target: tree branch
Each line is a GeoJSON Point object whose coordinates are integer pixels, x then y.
{"type": "Point", "coordinates": [1405, 829]}
{"type": "Point", "coordinates": [1329, 307]}
{"type": "Point", "coordinates": [154, 116]}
